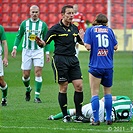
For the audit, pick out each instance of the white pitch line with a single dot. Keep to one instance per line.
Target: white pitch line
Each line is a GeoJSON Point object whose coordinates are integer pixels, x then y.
{"type": "Point", "coordinates": [63, 129]}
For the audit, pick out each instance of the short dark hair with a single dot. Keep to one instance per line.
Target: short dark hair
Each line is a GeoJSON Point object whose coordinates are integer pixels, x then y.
{"type": "Point", "coordinates": [65, 7]}
{"type": "Point", "coordinates": [101, 19]}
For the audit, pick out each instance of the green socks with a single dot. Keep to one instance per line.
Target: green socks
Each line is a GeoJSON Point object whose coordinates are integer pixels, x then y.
{"type": "Point", "coordinates": [27, 84]}
{"type": "Point", "coordinates": [4, 91]}
{"type": "Point", "coordinates": [38, 86]}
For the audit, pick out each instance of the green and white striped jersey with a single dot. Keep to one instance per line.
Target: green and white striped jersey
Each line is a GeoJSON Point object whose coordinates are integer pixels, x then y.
{"type": "Point", "coordinates": [30, 29]}
{"type": "Point", "coordinates": [2, 37]}
{"type": "Point", "coordinates": [122, 109]}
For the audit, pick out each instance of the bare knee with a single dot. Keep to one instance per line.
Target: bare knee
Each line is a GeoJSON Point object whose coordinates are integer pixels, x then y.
{"type": "Point", "coordinates": [26, 74]}
{"type": "Point", "coordinates": [79, 88]}
{"type": "Point", "coordinates": [63, 87]}
{"type": "Point", "coordinates": [78, 85]}
{"type": "Point", "coordinates": [2, 82]}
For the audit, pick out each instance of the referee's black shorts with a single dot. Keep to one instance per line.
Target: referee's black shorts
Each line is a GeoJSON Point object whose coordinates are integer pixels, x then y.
{"type": "Point", "coordinates": [66, 68]}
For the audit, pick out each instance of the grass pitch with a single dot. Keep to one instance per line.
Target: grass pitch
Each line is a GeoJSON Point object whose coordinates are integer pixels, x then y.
{"type": "Point", "coordinates": [29, 117]}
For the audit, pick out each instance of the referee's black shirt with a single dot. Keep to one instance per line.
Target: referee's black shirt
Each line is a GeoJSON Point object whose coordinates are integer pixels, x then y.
{"type": "Point", "coordinates": [65, 38]}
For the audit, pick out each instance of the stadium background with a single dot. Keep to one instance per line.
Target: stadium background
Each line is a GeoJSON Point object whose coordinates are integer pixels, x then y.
{"type": "Point", "coordinates": [23, 117]}
{"type": "Point", "coordinates": [13, 12]}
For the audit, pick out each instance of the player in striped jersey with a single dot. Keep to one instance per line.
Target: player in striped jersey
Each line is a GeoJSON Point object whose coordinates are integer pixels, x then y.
{"type": "Point", "coordinates": [122, 110]}
{"type": "Point", "coordinates": [31, 53]}
{"type": "Point", "coordinates": [4, 61]}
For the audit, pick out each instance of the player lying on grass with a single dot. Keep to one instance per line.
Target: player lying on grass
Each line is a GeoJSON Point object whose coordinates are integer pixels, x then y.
{"type": "Point", "coordinates": [122, 110]}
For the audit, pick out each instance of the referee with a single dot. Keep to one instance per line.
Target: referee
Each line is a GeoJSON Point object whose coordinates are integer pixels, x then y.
{"type": "Point", "coordinates": [64, 63]}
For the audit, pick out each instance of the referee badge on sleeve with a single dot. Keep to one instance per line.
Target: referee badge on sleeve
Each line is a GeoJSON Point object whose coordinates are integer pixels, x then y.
{"type": "Point", "coordinates": [75, 39]}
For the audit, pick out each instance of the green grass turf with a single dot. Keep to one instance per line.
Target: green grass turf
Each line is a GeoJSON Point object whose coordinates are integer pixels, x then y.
{"type": "Point", "coordinates": [28, 117]}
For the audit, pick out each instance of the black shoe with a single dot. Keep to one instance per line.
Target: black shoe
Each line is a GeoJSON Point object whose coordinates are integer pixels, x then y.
{"type": "Point", "coordinates": [67, 118]}
{"type": "Point", "coordinates": [37, 100]}
{"type": "Point", "coordinates": [4, 102]}
{"type": "Point", "coordinates": [81, 118]}
{"type": "Point", "coordinates": [27, 95]}
{"type": "Point", "coordinates": [95, 123]}
{"type": "Point", "coordinates": [109, 122]}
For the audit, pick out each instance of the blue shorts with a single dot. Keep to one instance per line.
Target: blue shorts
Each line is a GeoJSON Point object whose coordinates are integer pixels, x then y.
{"type": "Point", "coordinates": [106, 75]}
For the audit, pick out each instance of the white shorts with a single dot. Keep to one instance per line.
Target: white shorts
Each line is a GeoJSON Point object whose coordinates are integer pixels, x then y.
{"type": "Point", "coordinates": [1, 67]}
{"type": "Point", "coordinates": [32, 57]}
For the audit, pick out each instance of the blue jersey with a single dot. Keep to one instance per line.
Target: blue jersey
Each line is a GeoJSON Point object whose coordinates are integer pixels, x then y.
{"type": "Point", "coordinates": [102, 41]}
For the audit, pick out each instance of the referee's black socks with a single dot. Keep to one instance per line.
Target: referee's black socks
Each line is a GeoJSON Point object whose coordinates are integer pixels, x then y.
{"type": "Point", "coordinates": [62, 98]}
{"type": "Point", "coordinates": [78, 100]}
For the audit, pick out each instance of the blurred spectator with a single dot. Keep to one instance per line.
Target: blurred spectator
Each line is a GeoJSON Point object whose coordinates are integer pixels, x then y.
{"type": "Point", "coordinates": [88, 24]}
{"type": "Point", "coordinates": [79, 22]}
